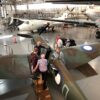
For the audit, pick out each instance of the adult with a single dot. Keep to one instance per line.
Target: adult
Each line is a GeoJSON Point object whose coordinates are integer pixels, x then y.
{"type": "Point", "coordinates": [34, 58]}
{"type": "Point", "coordinates": [39, 46]}
{"type": "Point", "coordinates": [59, 42]}
{"type": "Point", "coordinates": [59, 54]}
{"type": "Point", "coordinates": [42, 66]}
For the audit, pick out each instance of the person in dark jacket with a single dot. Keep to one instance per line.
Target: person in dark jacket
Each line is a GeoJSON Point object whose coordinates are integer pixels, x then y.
{"type": "Point", "coordinates": [39, 46]}
{"type": "Point", "coordinates": [34, 58]}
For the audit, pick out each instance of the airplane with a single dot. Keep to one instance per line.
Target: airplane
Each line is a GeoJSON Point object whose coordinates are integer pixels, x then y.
{"type": "Point", "coordinates": [35, 25]}
{"type": "Point", "coordinates": [26, 26]}
{"type": "Point", "coordinates": [93, 15]}
{"type": "Point", "coordinates": [17, 66]}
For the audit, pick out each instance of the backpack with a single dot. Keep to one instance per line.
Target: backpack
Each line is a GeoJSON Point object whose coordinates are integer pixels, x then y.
{"type": "Point", "coordinates": [64, 40]}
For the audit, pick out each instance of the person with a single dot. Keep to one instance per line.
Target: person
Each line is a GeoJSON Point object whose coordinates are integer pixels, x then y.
{"type": "Point", "coordinates": [71, 42]}
{"type": "Point", "coordinates": [14, 39]}
{"type": "Point", "coordinates": [39, 46]}
{"type": "Point", "coordinates": [59, 42]}
{"type": "Point", "coordinates": [59, 54]}
{"type": "Point", "coordinates": [64, 41]}
{"type": "Point", "coordinates": [48, 52]}
{"type": "Point", "coordinates": [34, 58]}
{"type": "Point", "coordinates": [42, 65]}
{"type": "Point", "coordinates": [97, 33]}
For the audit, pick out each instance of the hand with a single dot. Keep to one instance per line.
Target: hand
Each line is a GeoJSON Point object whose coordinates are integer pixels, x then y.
{"type": "Point", "coordinates": [33, 71]}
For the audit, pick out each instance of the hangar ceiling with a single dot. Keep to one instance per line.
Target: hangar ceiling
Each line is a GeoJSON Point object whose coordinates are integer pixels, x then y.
{"type": "Point", "coordinates": [54, 1]}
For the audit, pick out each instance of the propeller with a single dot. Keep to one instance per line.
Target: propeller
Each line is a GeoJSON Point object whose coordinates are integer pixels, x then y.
{"type": "Point", "coordinates": [84, 13]}
{"type": "Point", "coordinates": [70, 11]}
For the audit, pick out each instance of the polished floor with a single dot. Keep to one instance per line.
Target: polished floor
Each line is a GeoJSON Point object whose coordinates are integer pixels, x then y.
{"type": "Point", "coordinates": [21, 89]}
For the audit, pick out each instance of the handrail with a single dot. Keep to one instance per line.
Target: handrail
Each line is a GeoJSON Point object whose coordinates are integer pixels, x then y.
{"type": "Point", "coordinates": [5, 50]}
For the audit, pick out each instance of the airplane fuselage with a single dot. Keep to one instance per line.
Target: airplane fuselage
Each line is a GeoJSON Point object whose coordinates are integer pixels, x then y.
{"type": "Point", "coordinates": [31, 25]}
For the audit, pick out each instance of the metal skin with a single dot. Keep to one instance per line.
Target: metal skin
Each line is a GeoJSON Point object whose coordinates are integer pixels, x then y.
{"type": "Point", "coordinates": [14, 66]}
{"type": "Point", "coordinates": [77, 56]}
{"type": "Point", "coordinates": [67, 86]}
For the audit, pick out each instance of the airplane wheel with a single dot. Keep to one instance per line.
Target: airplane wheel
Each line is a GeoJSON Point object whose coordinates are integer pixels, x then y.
{"type": "Point", "coordinates": [53, 29]}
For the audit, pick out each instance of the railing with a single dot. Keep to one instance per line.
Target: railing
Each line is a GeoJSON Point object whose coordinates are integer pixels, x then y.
{"type": "Point", "coordinates": [5, 50]}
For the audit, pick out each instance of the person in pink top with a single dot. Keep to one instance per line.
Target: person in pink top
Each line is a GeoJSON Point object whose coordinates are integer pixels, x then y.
{"type": "Point", "coordinates": [59, 42]}
{"type": "Point", "coordinates": [42, 66]}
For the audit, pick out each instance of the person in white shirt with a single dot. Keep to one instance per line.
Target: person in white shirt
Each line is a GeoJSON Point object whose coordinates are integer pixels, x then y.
{"type": "Point", "coordinates": [42, 65]}
{"type": "Point", "coordinates": [59, 54]}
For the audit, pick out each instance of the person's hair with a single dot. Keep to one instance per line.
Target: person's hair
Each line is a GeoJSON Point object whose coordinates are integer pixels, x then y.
{"type": "Point", "coordinates": [38, 42]}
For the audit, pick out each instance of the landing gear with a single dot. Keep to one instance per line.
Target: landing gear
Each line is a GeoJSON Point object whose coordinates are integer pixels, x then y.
{"type": "Point", "coordinates": [53, 29]}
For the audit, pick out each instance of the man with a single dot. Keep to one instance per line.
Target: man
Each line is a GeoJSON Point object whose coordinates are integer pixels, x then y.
{"type": "Point", "coordinates": [39, 46]}
{"type": "Point", "coordinates": [42, 66]}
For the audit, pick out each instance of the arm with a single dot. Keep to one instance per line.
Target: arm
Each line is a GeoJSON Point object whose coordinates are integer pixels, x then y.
{"type": "Point", "coordinates": [35, 67]}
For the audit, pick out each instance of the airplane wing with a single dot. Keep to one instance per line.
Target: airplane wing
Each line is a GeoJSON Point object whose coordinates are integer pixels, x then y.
{"type": "Point", "coordinates": [14, 66]}
{"type": "Point", "coordinates": [80, 55]}
{"type": "Point", "coordinates": [74, 21]}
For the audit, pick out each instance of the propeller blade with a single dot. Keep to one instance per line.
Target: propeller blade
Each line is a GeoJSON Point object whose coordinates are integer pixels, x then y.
{"type": "Point", "coordinates": [72, 9]}
{"type": "Point", "coordinates": [25, 35]}
{"type": "Point", "coordinates": [68, 8]}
